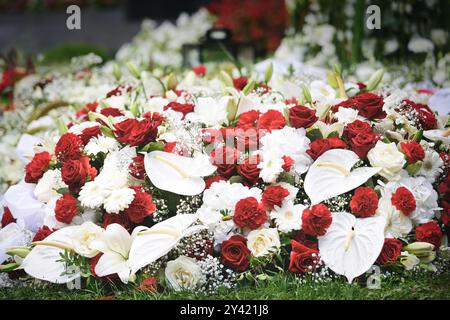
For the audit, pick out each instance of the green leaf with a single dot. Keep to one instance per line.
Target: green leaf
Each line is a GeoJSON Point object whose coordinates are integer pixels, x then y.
{"type": "Point", "coordinates": [107, 132]}
{"type": "Point", "coordinates": [314, 134]}
{"type": "Point", "coordinates": [153, 146]}
{"type": "Point", "coordinates": [62, 126]}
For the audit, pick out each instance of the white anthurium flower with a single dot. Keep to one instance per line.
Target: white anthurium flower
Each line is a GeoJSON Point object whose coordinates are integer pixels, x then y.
{"type": "Point", "coordinates": [330, 175]}
{"type": "Point", "coordinates": [150, 244]}
{"type": "Point", "coordinates": [178, 174]}
{"type": "Point", "coordinates": [11, 235]}
{"type": "Point", "coordinates": [288, 217]}
{"type": "Point", "coordinates": [352, 245]}
{"type": "Point", "coordinates": [397, 224]}
{"type": "Point", "coordinates": [44, 260]}
{"type": "Point", "coordinates": [115, 244]}
{"type": "Point", "coordinates": [25, 147]}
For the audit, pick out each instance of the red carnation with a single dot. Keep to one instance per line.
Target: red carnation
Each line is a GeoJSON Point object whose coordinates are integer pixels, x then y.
{"type": "Point", "coordinates": [211, 180]}
{"type": "Point", "coordinates": [271, 120]}
{"type": "Point", "coordinates": [7, 217]}
{"type": "Point", "coordinates": [413, 151]}
{"type": "Point", "coordinates": [66, 208]}
{"type": "Point", "coordinates": [43, 233]}
{"type": "Point", "coordinates": [425, 115]}
{"type": "Point", "coordinates": [303, 259]}
{"type": "Point", "coordinates": [248, 213]}
{"type": "Point", "coordinates": [302, 117]}
{"type": "Point", "coordinates": [316, 220]}
{"type": "Point", "coordinates": [363, 142]}
{"type": "Point", "coordinates": [119, 218]}
{"type": "Point", "coordinates": [404, 201]}
{"type": "Point", "coordinates": [274, 196]}
{"type": "Point", "coordinates": [322, 145]}
{"type": "Point", "coordinates": [235, 254]}
{"type": "Point", "coordinates": [430, 232]}
{"type": "Point", "coordinates": [110, 111]}
{"type": "Point", "coordinates": [364, 202]}
{"type": "Point", "coordinates": [141, 207]}
{"type": "Point", "coordinates": [248, 119]}
{"type": "Point", "coordinates": [249, 170]}
{"type": "Point", "coordinates": [35, 169]}
{"type": "Point", "coordinates": [370, 105]}
{"type": "Point", "coordinates": [137, 168]}
{"type": "Point", "coordinates": [225, 159]}
{"type": "Point", "coordinates": [69, 147]}
{"type": "Point", "coordinates": [89, 133]}
{"type": "Point", "coordinates": [184, 108]}
{"type": "Point", "coordinates": [392, 248]}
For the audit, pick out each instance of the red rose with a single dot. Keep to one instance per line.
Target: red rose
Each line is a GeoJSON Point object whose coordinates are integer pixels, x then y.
{"type": "Point", "coordinates": [248, 119]}
{"type": "Point", "coordinates": [184, 108]}
{"type": "Point", "coordinates": [7, 217]}
{"type": "Point", "coordinates": [274, 196]}
{"type": "Point", "coordinates": [35, 169]}
{"type": "Point", "coordinates": [355, 128]}
{"type": "Point", "coordinates": [199, 70]}
{"type": "Point", "coordinates": [240, 82]}
{"type": "Point", "coordinates": [75, 172]}
{"type": "Point", "coordinates": [364, 202]}
{"type": "Point", "coordinates": [430, 232]}
{"type": "Point", "coordinates": [66, 208]}
{"type": "Point", "coordinates": [225, 159]}
{"type": "Point", "coordinates": [370, 105]}
{"type": "Point", "coordinates": [248, 213]}
{"type": "Point", "coordinates": [363, 142]}
{"type": "Point", "coordinates": [302, 117]}
{"type": "Point", "coordinates": [235, 254]}
{"type": "Point", "coordinates": [88, 133]}
{"type": "Point", "coordinates": [316, 220]}
{"type": "Point", "coordinates": [302, 259]}
{"type": "Point", "coordinates": [321, 145]}
{"type": "Point", "coordinates": [392, 248]}
{"type": "Point", "coordinates": [137, 168]}
{"type": "Point", "coordinates": [413, 151]}
{"type": "Point", "coordinates": [119, 218]}
{"type": "Point", "coordinates": [424, 114]}
{"type": "Point", "coordinates": [135, 132]}
{"type": "Point", "coordinates": [42, 233]}
{"type": "Point", "coordinates": [141, 207]}
{"type": "Point", "coordinates": [249, 169]}
{"type": "Point", "coordinates": [349, 103]}
{"type": "Point", "coordinates": [69, 147]}
{"type": "Point", "coordinates": [113, 112]}
{"type": "Point", "coordinates": [404, 201]}
{"type": "Point", "coordinates": [271, 120]}
{"type": "Point", "coordinates": [211, 180]}
{"type": "Point", "coordinates": [149, 285]}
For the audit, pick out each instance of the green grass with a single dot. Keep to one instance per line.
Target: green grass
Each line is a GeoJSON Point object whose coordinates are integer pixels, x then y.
{"type": "Point", "coordinates": [280, 287]}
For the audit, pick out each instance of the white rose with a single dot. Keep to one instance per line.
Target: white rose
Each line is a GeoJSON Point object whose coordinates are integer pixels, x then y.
{"type": "Point", "coordinates": [387, 156]}
{"type": "Point", "coordinates": [183, 273]}
{"type": "Point", "coordinates": [84, 237]}
{"type": "Point", "coordinates": [261, 241]}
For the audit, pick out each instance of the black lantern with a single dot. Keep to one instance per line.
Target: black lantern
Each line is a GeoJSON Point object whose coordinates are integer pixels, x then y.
{"type": "Point", "coordinates": [217, 45]}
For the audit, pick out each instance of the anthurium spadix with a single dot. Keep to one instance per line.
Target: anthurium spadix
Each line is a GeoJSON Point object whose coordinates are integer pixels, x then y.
{"type": "Point", "coordinates": [332, 175]}
{"type": "Point", "coordinates": [178, 174]}
{"type": "Point", "coordinates": [150, 244]}
{"type": "Point", "coordinates": [351, 245]}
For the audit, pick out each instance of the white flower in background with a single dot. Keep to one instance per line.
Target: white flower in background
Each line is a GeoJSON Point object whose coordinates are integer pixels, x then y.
{"type": "Point", "coordinates": [323, 93]}
{"type": "Point", "coordinates": [156, 104]}
{"type": "Point", "coordinates": [288, 217]}
{"type": "Point", "coordinates": [210, 111]}
{"type": "Point", "coordinates": [388, 157]}
{"type": "Point", "coordinates": [347, 115]}
{"type": "Point", "coordinates": [183, 273]}
{"type": "Point", "coordinates": [390, 46]}
{"type": "Point", "coordinates": [397, 224]}
{"type": "Point", "coordinates": [115, 244]}
{"type": "Point", "coordinates": [101, 144]}
{"type": "Point", "coordinates": [119, 200]}
{"type": "Point", "coordinates": [420, 45]}
{"type": "Point", "coordinates": [83, 238]}
{"type": "Point", "coordinates": [431, 165]}
{"type": "Point", "coordinates": [263, 241]}
{"type": "Point", "coordinates": [47, 186]}
{"type": "Point", "coordinates": [439, 36]}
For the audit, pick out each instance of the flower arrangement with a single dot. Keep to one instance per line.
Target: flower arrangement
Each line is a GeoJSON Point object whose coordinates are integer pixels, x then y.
{"type": "Point", "coordinates": [198, 183]}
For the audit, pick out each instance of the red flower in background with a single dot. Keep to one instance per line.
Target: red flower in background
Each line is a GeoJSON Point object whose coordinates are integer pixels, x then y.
{"type": "Point", "coordinates": [240, 82]}
{"type": "Point", "coordinates": [199, 70]}
{"type": "Point", "coordinates": [430, 232]}
{"type": "Point", "coordinates": [249, 169]}
{"type": "Point", "coordinates": [225, 159]}
{"type": "Point", "coordinates": [184, 108]}
{"type": "Point", "coordinates": [211, 180]}
{"type": "Point", "coordinates": [35, 169]}
{"type": "Point", "coordinates": [404, 201]}
{"type": "Point", "coordinates": [248, 119]}
{"type": "Point", "coordinates": [271, 120]}
{"type": "Point", "coordinates": [119, 218]}
{"type": "Point", "coordinates": [248, 213]}
{"type": "Point", "coordinates": [424, 114]}
{"type": "Point", "coordinates": [137, 168]}
{"type": "Point", "coordinates": [302, 117]}
{"type": "Point", "coordinates": [261, 21]}
{"type": "Point", "coordinates": [43, 233]}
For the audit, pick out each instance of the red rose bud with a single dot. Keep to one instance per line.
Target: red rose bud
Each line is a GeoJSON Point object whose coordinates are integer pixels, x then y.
{"type": "Point", "coordinates": [248, 213]}
{"type": "Point", "coordinates": [364, 202]}
{"type": "Point", "coordinates": [235, 254]}
{"type": "Point", "coordinates": [404, 201]}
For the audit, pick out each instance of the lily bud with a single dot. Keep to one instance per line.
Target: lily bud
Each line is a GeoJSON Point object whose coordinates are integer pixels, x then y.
{"type": "Point", "coordinates": [332, 80]}
{"type": "Point", "coordinates": [268, 73]}
{"type": "Point", "coordinates": [428, 258]}
{"type": "Point", "coordinates": [249, 87]}
{"type": "Point", "coordinates": [418, 247]}
{"type": "Point", "coordinates": [62, 126]}
{"type": "Point", "coordinates": [117, 73]}
{"type": "Point", "coordinates": [226, 79]}
{"type": "Point", "coordinates": [21, 252]}
{"type": "Point", "coordinates": [375, 80]}
{"type": "Point", "coordinates": [307, 94]}
{"type": "Point", "coordinates": [133, 70]}
{"type": "Point", "coordinates": [408, 260]}
{"type": "Point", "coordinates": [231, 109]}
{"type": "Point", "coordinates": [9, 267]}
{"type": "Point", "coordinates": [172, 82]}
